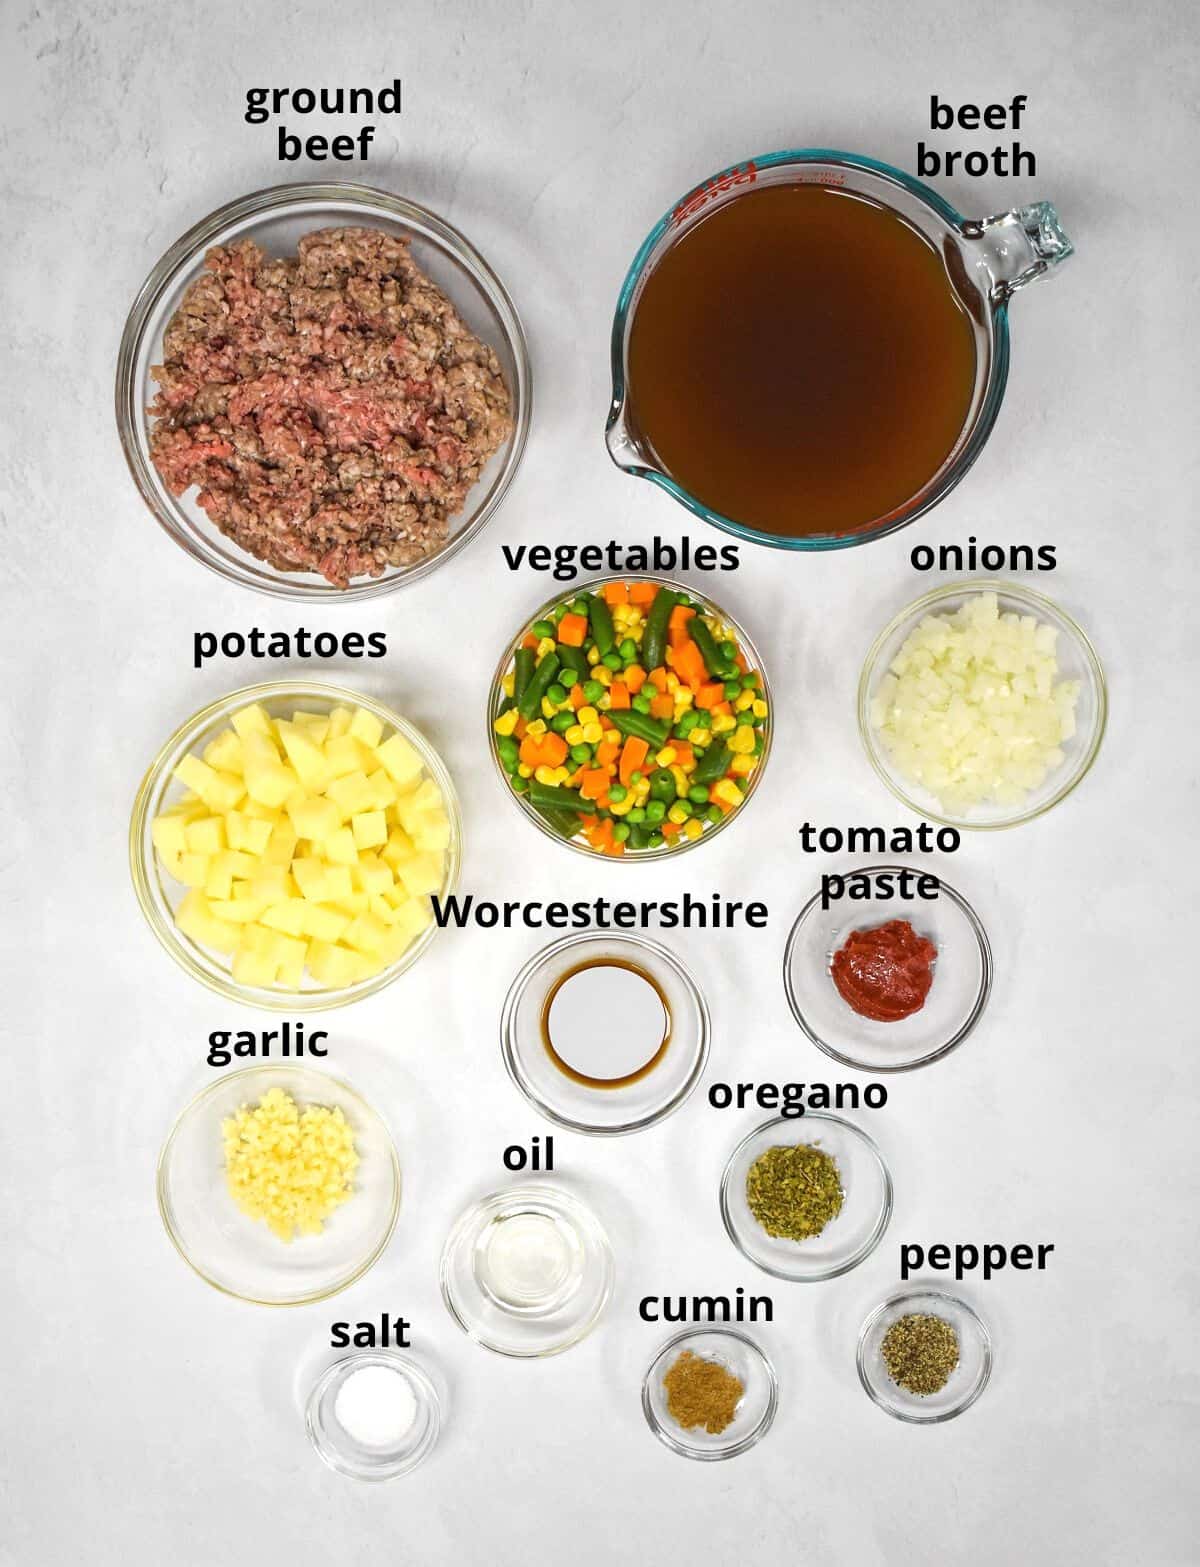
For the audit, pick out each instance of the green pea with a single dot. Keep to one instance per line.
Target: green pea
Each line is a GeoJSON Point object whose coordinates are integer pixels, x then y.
{"type": "Point", "coordinates": [556, 694]}
{"type": "Point", "coordinates": [542, 628]}
{"type": "Point", "coordinates": [687, 723]}
{"type": "Point", "coordinates": [520, 785]}
{"type": "Point", "coordinates": [636, 815]}
{"type": "Point", "coordinates": [746, 718]}
{"type": "Point", "coordinates": [750, 680]}
{"type": "Point", "coordinates": [593, 691]}
{"type": "Point", "coordinates": [611, 661]}
{"type": "Point", "coordinates": [622, 830]}
{"type": "Point", "coordinates": [698, 794]}
{"type": "Point", "coordinates": [655, 810]}
{"type": "Point", "coordinates": [557, 613]}
{"type": "Point", "coordinates": [580, 607]}
{"type": "Point", "coordinates": [641, 704]}
{"type": "Point", "coordinates": [561, 722]}
{"type": "Point", "coordinates": [636, 777]}
{"type": "Point", "coordinates": [683, 807]}
{"type": "Point", "coordinates": [714, 814]}
{"type": "Point", "coordinates": [733, 689]}
{"type": "Point", "coordinates": [655, 840]}
{"type": "Point", "coordinates": [729, 652]}
{"type": "Point", "coordinates": [617, 792]}
{"type": "Point", "coordinates": [580, 754]}
{"type": "Point", "coordinates": [628, 650]}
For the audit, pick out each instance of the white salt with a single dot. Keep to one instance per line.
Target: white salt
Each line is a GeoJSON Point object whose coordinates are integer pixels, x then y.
{"type": "Point", "coordinates": [376, 1406]}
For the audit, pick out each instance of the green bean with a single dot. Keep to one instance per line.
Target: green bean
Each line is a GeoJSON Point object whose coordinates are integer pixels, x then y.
{"type": "Point", "coordinates": [550, 797]}
{"type": "Point", "coordinates": [565, 823]}
{"type": "Point", "coordinates": [601, 621]}
{"type": "Point", "coordinates": [575, 659]}
{"type": "Point", "coordinates": [713, 764]}
{"type": "Point", "coordinates": [654, 637]}
{"type": "Point", "coordinates": [543, 678]}
{"type": "Point", "coordinates": [523, 662]}
{"type": "Point", "coordinates": [662, 785]}
{"type": "Point", "coordinates": [652, 730]}
{"type": "Point", "coordinates": [709, 652]}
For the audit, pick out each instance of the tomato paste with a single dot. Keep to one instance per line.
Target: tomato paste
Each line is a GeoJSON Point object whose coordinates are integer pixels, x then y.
{"type": "Point", "coordinates": [885, 972]}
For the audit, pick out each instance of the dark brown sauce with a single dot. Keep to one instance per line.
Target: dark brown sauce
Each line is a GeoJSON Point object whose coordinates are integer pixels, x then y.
{"type": "Point", "coordinates": [800, 362]}
{"type": "Point", "coordinates": [605, 1082]}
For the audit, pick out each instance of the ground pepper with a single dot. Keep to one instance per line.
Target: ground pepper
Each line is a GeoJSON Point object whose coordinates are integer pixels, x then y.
{"type": "Point", "coordinates": [794, 1192]}
{"type": "Point", "coordinates": [701, 1392]}
{"type": "Point", "coordinates": [920, 1353]}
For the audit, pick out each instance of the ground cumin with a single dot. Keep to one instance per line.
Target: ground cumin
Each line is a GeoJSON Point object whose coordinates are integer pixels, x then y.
{"type": "Point", "coordinates": [701, 1393]}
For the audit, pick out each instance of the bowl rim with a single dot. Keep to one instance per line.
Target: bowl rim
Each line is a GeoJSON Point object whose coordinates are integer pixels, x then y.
{"type": "Point", "coordinates": [141, 864]}
{"type": "Point", "coordinates": [987, 972]}
{"type": "Point", "coordinates": [635, 856]}
{"type": "Point", "coordinates": [516, 991]}
{"type": "Point", "coordinates": [1035, 602]}
{"type": "Point", "coordinates": [882, 1220]}
{"type": "Point", "coordinates": [901, 1298]}
{"type": "Point", "coordinates": [552, 1196]}
{"type": "Point", "coordinates": [416, 1375]}
{"type": "Point", "coordinates": [187, 250]}
{"type": "Point", "coordinates": [752, 1437]}
{"type": "Point", "coordinates": [195, 1103]}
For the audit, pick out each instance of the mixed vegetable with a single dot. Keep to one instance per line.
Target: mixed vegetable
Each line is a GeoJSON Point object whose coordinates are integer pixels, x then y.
{"type": "Point", "coordinates": [630, 718]}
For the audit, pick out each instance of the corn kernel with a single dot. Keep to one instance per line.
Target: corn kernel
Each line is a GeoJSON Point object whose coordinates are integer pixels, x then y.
{"type": "Point", "coordinates": [742, 743]}
{"type": "Point", "coordinates": [701, 736]}
{"type": "Point", "coordinates": [587, 715]}
{"type": "Point", "coordinates": [548, 708]}
{"type": "Point", "coordinates": [524, 770]}
{"type": "Point", "coordinates": [745, 700]}
{"type": "Point", "coordinates": [680, 777]}
{"type": "Point", "coordinates": [672, 682]}
{"type": "Point", "coordinates": [723, 723]}
{"type": "Point", "coordinates": [613, 736]}
{"type": "Point", "coordinates": [593, 733]}
{"type": "Point", "coordinates": [546, 645]}
{"type": "Point", "coordinates": [666, 756]}
{"type": "Point", "coordinates": [536, 728]}
{"type": "Point", "coordinates": [510, 684]}
{"type": "Point", "coordinates": [593, 655]}
{"type": "Point", "coordinates": [727, 793]}
{"type": "Point", "coordinates": [742, 766]}
{"type": "Point", "coordinates": [507, 722]}
{"type": "Point", "coordinates": [603, 675]}
{"type": "Point", "coordinates": [677, 814]}
{"type": "Point", "coordinates": [642, 791]}
{"type": "Point", "coordinates": [545, 775]}
{"type": "Point", "coordinates": [759, 709]}
{"type": "Point", "coordinates": [574, 735]}
{"type": "Point", "coordinates": [684, 698]}
{"type": "Point", "coordinates": [561, 774]}
{"type": "Point", "coordinates": [692, 829]}
{"type": "Point", "coordinates": [620, 807]}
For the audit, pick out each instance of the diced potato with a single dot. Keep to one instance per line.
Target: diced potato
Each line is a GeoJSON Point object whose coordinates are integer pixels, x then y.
{"type": "Point", "coordinates": [383, 790]}
{"type": "Point", "coordinates": [370, 829]}
{"type": "Point", "coordinates": [314, 817]}
{"type": "Point", "coordinates": [340, 848]}
{"type": "Point", "coordinates": [334, 967]}
{"type": "Point", "coordinates": [191, 869]}
{"type": "Point", "coordinates": [366, 934]}
{"type": "Point", "coordinates": [196, 920]}
{"type": "Point", "coordinates": [206, 836]}
{"type": "Point", "coordinates": [339, 722]}
{"type": "Point", "coordinates": [288, 916]}
{"type": "Point", "coordinates": [371, 875]}
{"type": "Point", "coordinates": [252, 968]}
{"type": "Point", "coordinates": [337, 883]}
{"type": "Point", "coordinates": [169, 836]}
{"type": "Point", "coordinates": [316, 724]}
{"type": "Point", "coordinates": [343, 755]}
{"type": "Point", "coordinates": [422, 874]}
{"type": "Point", "coordinates": [281, 845]}
{"type": "Point", "coordinates": [219, 791]}
{"type": "Point", "coordinates": [399, 847]}
{"type": "Point", "coordinates": [431, 830]}
{"type": "Point", "coordinates": [352, 793]}
{"type": "Point", "coordinates": [244, 831]}
{"type": "Point", "coordinates": [306, 757]}
{"type": "Point", "coordinates": [366, 727]}
{"type": "Point", "coordinates": [251, 719]}
{"type": "Point", "coordinates": [401, 760]}
{"type": "Point", "coordinates": [412, 917]}
{"type": "Point", "coordinates": [310, 878]}
{"type": "Point", "coordinates": [225, 753]}
{"type": "Point", "coordinates": [322, 922]}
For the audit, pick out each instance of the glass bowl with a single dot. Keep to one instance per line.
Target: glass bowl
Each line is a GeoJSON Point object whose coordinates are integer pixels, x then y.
{"type": "Point", "coordinates": [1077, 660]}
{"type": "Point", "coordinates": [276, 219]}
{"type": "Point", "coordinates": [589, 1107]}
{"type": "Point", "coordinates": [159, 894]}
{"type": "Point", "coordinates": [343, 1451]}
{"type": "Point", "coordinates": [847, 1240]}
{"type": "Point", "coordinates": [962, 978]}
{"type": "Point", "coordinates": [240, 1255]}
{"type": "Point", "coordinates": [527, 1320]}
{"type": "Point", "coordinates": [578, 842]}
{"type": "Point", "coordinates": [967, 1380]}
{"type": "Point", "coordinates": [755, 1410]}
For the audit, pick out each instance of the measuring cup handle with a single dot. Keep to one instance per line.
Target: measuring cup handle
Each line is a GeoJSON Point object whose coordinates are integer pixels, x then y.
{"type": "Point", "coordinates": [1018, 246]}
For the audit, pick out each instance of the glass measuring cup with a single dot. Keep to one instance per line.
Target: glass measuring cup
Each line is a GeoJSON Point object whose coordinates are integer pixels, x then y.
{"type": "Point", "coordinates": [987, 260]}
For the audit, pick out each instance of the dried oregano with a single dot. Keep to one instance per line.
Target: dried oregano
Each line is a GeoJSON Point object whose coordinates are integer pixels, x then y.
{"type": "Point", "coordinates": [794, 1192]}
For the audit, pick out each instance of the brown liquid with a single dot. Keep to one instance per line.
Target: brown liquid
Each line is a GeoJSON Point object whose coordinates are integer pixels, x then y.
{"type": "Point", "coordinates": [554, 1050]}
{"type": "Point", "coordinates": [799, 361]}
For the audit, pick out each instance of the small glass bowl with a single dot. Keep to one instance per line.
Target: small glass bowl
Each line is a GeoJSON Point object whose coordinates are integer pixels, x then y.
{"type": "Point", "coordinates": [578, 842]}
{"type": "Point", "coordinates": [962, 978]}
{"type": "Point", "coordinates": [755, 1410]}
{"type": "Point", "coordinates": [1077, 660]}
{"type": "Point", "coordinates": [531, 1327]}
{"type": "Point", "coordinates": [240, 1255]}
{"type": "Point", "coordinates": [344, 1452]}
{"type": "Point", "coordinates": [847, 1240]}
{"type": "Point", "coordinates": [159, 894]}
{"type": "Point", "coordinates": [604, 1112]}
{"type": "Point", "coordinates": [967, 1380]}
{"type": "Point", "coordinates": [277, 219]}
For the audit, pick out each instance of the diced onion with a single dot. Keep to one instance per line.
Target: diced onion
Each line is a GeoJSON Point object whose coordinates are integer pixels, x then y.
{"type": "Point", "coordinates": [971, 708]}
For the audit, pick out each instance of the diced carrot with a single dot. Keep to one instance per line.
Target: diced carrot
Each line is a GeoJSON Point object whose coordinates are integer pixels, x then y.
{"type": "Point", "coordinates": [633, 754]}
{"type": "Point", "coordinates": [519, 731]}
{"type": "Point", "coordinates": [608, 751]}
{"type": "Point", "coordinates": [669, 829]}
{"type": "Point", "coordinates": [714, 799]}
{"type": "Point", "coordinates": [684, 755]}
{"type": "Point", "coordinates": [604, 802]}
{"type": "Point", "coordinates": [710, 695]}
{"type": "Point", "coordinates": [576, 697]}
{"type": "Point", "coordinates": [677, 630]}
{"type": "Point", "coordinates": [643, 593]}
{"type": "Point", "coordinates": [593, 781]}
{"type": "Point", "coordinates": [722, 709]}
{"type": "Point", "coordinates": [663, 706]}
{"type": "Point", "coordinates": [613, 848]}
{"type": "Point", "coordinates": [658, 678]}
{"type": "Point", "coordinates": [689, 664]}
{"type": "Point", "coordinates": [548, 750]}
{"type": "Point", "coordinates": [572, 629]}
{"type": "Point", "coordinates": [634, 678]}
{"type": "Point", "coordinates": [529, 640]}
{"type": "Point", "coordinates": [616, 593]}
{"type": "Point", "coordinates": [618, 694]}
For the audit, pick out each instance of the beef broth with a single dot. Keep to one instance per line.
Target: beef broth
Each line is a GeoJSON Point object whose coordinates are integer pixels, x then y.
{"type": "Point", "coordinates": [800, 362]}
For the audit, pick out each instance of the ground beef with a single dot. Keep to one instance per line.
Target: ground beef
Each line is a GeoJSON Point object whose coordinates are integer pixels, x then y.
{"type": "Point", "coordinates": [331, 408]}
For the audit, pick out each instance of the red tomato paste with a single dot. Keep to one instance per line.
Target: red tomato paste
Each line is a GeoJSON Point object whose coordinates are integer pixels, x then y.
{"type": "Point", "coordinates": [885, 972]}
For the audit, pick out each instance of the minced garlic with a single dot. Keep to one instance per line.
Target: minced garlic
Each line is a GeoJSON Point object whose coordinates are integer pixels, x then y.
{"type": "Point", "coordinates": [287, 1166]}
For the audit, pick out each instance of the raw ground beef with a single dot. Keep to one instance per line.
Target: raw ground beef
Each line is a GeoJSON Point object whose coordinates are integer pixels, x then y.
{"type": "Point", "coordinates": [331, 408]}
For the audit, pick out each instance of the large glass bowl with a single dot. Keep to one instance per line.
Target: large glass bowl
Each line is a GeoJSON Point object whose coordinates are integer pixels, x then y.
{"type": "Point", "coordinates": [277, 219]}
{"type": "Point", "coordinates": [240, 1255]}
{"type": "Point", "coordinates": [159, 894]}
{"type": "Point", "coordinates": [579, 843]}
{"type": "Point", "coordinates": [1077, 660]}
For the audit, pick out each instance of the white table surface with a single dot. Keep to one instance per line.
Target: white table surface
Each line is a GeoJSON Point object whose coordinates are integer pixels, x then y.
{"type": "Point", "coordinates": [146, 1418]}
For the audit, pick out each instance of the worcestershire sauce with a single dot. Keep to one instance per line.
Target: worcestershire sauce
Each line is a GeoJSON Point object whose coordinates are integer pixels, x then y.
{"type": "Point", "coordinates": [800, 362]}
{"type": "Point", "coordinates": [614, 1023]}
